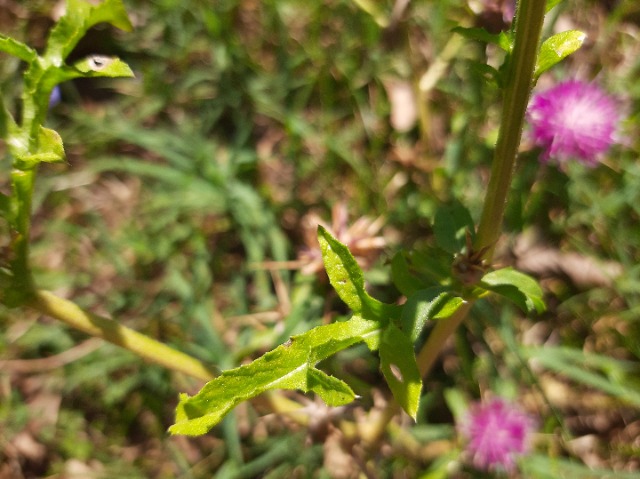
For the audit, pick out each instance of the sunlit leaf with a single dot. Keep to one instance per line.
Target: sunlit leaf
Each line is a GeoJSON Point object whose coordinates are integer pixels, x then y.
{"type": "Point", "coordinates": [289, 366]}
{"type": "Point", "coordinates": [102, 66]}
{"type": "Point", "coordinates": [398, 365]}
{"type": "Point", "coordinates": [50, 150]}
{"type": "Point", "coordinates": [523, 290]}
{"type": "Point", "coordinates": [347, 279]}
{"type": "Point", "coordinates": [80, 16]}
{"type": "Point", "coordinates": [556, 48]}
{"type": "Point", "coordinates": [16, 48]}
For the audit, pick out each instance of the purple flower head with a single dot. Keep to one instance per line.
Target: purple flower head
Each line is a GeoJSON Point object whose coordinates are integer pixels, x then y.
{"type": "Point", "coordinates": [573, 120]}
{"type": "Point", "coordinates": [497, 432]}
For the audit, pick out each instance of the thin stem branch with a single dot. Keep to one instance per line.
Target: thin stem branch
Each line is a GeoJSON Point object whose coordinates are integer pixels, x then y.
{"type": "Point", "coordinates": [109, 330]}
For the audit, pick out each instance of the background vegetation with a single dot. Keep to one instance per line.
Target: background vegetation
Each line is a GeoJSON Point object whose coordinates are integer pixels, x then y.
{"type": "Point", "coordinates": [190, 191]}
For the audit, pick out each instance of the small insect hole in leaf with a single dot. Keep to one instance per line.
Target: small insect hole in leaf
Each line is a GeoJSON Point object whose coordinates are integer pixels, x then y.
{"type": "Point", "coordinates": [395, 370]}
{"type": "Point", "coordinates": [99, 62]}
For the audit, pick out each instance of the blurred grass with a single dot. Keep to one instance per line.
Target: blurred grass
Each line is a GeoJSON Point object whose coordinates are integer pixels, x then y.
{"type": "Point", "coordinates": [183, 183]}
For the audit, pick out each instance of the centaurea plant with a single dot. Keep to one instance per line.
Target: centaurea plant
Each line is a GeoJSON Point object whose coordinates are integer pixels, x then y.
{"type": "Point", "coordinates": [393, 330]}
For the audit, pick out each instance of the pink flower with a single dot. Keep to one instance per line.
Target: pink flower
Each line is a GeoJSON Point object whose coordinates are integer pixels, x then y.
{"type": "Point", "coordinates": [573, 120]}
{"type": "Point", "coordinates": [497, 432]}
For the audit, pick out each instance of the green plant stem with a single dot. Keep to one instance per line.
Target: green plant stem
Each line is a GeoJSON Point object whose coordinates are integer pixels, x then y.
{"type": "Point", "coordinates": [443, 329]}
{"type": "Point", "coordinates": [522, 61]}
{"type": "Point", "coordinates": [68, 312]}
{"type": "Point", "coordinates": [519, 78]}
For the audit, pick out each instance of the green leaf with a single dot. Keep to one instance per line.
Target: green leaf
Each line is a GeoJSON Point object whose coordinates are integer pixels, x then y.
{"type": "Point", "coordinates": [289, 366]}
{"type": "Point", "coordinates": [556, 48]}
{"type": "Point", "coordinates": [450, 225]}
{"type": "Point", "coordinates": [399, 367]}
{"type": "Point", "coordinates": [523, 290]}
{"type": "Point", "coordinates": [552, 3]}
{"type": "Point", "coordinates": [414, 270]}
{"type": "Point", "coordinates": [17, 49]}
{"type": "Point", "coordinates": [343, 270]}
{"type": "Point", "coordinates": [50, 150]}
{"type": "Point", "coordinates": [347, 279]}
{"type": "Point", "coordinates": [80, 16]}
{"type": "Point", "coordinates": [480, 34]}
{"type": "Point", "coordinates": [427, 304]}
{"type": "Point", "coordinates": [102, 66]}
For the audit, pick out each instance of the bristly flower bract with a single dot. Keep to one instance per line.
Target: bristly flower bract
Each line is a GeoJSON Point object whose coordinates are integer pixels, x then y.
{"type": "Point", "coordinates": [496, 434]}
{"type": "Point", "coordinates": [573, 120]}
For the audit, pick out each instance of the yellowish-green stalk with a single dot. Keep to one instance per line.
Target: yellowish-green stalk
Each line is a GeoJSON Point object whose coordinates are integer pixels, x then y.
{"type": "Point", "coordinates": [109, 330]}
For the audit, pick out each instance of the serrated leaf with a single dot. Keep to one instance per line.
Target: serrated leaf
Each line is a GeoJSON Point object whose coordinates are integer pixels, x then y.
{"type": "Point", "coordinates": [556, 48]}
{"type": "Point", "coordinates": [399, 367]}
{"type": "Point", "coordinates": [450, 225]}
{"type": "Point", "coordinates": [80, 16]}
{"type": "Point", "coordinates": [289, 366]}
{"type": "Point", "coordinates": [16, 48]}
{"type": "Point", "coordinates": [523, 290]}
{"type": "Point", "coordinates": [427, 304]}
{"type": "Point", "coordinates": [480, 34]}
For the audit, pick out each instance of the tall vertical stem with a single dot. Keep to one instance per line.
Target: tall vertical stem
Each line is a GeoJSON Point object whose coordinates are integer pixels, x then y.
{"type": "Point", "coordinates": [518, 82]}
{"type": "Point", "coordinates": [519, 79]}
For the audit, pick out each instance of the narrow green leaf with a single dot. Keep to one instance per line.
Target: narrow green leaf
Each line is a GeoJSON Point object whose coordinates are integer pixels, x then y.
{"type": "Point", "coordinates": [399, 367]}
{"type": "Point", "coordinates": [347, 279]}
{"type": "Point", "coordinates": [80, 16]}
{"type": "Point", "coordinates": [16, 48]}
{"type": "Point", "coordinates": [523, 290]}
{"type": "Point", "coordinates": [343, 270]}
{"type": "Point", "coordinates": [427, 304]}
{"type": "Point", "coordinates": [556, 48]}
{"type": "Point", "coordinates": [289, 366]}
{"type": "Point", "coordinates": [480, 34]}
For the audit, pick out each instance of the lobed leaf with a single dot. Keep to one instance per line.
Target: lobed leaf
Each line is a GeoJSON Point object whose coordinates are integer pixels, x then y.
{"type": "Point", "coordinates": [289, 366]}
{"type": "Point", "coordinates": [399, 367]}
{"type": "Point", "coordinates": [523, 290]}
{"type": "Point", "coordinates": [556, 48]}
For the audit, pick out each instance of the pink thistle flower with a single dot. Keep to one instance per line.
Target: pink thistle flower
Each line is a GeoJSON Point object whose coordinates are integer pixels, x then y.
{"type": "Point", "coordinates": [573, 120]}
{"type": "Point", "coordinates": [497, 433]}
